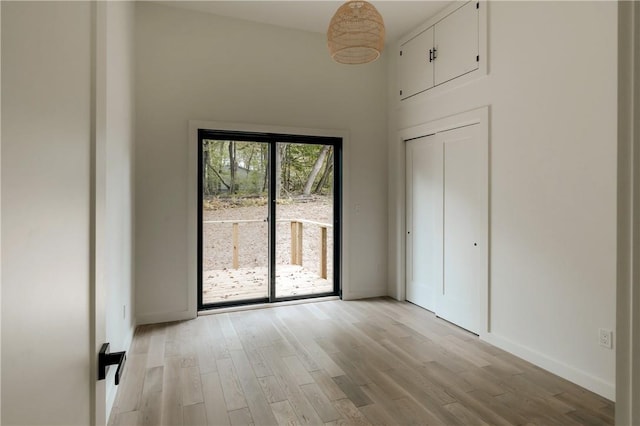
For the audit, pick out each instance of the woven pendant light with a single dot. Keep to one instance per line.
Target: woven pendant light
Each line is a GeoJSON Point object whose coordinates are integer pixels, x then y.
{"type": "Point", "coordinates": [356, 33]}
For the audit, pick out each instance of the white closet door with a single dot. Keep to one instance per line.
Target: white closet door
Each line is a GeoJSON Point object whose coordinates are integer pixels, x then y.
{"type": "Point", "coordinates": [461, 296]}
{"type": "Point", "coordinates": [424, 161]}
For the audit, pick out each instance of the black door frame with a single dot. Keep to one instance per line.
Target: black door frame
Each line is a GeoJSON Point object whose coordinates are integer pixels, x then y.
{"type": "Point", "coordinates": [272, 139]}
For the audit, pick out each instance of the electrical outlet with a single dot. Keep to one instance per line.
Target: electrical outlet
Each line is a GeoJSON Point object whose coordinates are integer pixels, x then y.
{"type": "Point", "coordinates": [605, 338]}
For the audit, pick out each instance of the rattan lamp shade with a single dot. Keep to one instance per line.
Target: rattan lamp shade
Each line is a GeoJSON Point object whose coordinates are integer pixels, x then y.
{"type": "Point", "coordinates": [356, 33]}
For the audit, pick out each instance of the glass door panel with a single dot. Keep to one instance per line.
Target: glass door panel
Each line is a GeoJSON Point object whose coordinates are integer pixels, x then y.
{"type": "Point", "coordinates": [264, 239]}
{"type": "Point", "coordinates": [234, 228]}
{"type": "Point", "coordinates": [304, 191]}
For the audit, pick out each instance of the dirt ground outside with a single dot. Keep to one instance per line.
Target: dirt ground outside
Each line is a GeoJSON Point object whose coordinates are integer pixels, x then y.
{"type": "Point", "coordinates": [222, 282]}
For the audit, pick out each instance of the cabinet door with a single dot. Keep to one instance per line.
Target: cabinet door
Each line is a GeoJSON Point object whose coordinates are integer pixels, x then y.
{"type": "Point", "coordinates": [465, 228]}
{"type": "Point", "coordinates": [415, 69]}
{"type": "Point", "coordinates": [456, 43]}
{"type": "Point", "coordinates": [424, 221]}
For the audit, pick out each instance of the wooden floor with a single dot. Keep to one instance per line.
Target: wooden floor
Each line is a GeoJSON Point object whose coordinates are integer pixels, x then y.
{"type": "Point", "coordinates": [363, 362]}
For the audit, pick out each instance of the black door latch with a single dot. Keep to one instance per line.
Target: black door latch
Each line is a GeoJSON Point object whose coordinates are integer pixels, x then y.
{"type": "Point", "coordinates": [106, 359]}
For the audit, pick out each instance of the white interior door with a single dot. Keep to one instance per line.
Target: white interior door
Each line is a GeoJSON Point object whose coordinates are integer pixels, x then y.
{"type": "Point", "coordinates": [465, 228]}
{"type": "Point", "coordinates": [424, 233]}
{"type": "Point", "coordinates": [99, 304]}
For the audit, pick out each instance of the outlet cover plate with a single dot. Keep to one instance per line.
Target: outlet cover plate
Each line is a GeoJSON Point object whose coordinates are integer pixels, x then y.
{"type": "Point", "coordinates": [605, 338]}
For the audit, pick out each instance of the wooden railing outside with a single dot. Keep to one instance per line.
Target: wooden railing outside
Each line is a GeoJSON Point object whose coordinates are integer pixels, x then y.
{"type": "Point", "coordinates": [296, 243]}
{"type": "Point", "coordinates": [296, 240]}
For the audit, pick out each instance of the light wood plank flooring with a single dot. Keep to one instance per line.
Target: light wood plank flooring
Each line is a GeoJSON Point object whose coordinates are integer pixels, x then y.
{"type": "Point", "coordinates": [375, 361]}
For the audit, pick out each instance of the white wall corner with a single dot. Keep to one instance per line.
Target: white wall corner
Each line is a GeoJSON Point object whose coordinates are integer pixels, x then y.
{"type": "Point", "coordinates": [557, 367]}
{"type": "Point", "coordinates": [365, 294]}
{"type": "Point", "coordinates": [395, 196]}
{"type": "Point", "coordinates": [160, 317]}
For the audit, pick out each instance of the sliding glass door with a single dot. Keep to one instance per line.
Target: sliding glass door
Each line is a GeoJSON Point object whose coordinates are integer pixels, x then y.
{"type": "Point", "coordinates": [234, 227]}
{"type": "Point", "coordinates": [268, 217]}
{"type": "Point", "coordinates": [304, 252]}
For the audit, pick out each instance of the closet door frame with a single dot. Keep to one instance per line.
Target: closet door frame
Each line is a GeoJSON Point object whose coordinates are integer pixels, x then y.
{"type": "Point", "coordinates": [478, 116]}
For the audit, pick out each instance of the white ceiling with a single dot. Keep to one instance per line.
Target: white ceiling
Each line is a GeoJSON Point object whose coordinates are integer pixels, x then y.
{"type": "Point", "coordinates": [400, 16]}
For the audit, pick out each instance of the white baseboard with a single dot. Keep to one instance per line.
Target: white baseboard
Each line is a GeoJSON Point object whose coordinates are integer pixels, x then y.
{"type": "Point", "coordinates": [159, 317]}
{"type": "Point", "coordinates": [559, 368]}
{"type": "Point", "coordinates": [364, 294]}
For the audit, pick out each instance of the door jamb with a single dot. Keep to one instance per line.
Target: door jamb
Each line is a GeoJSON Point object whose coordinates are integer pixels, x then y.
{"type": "Point", "coordinates": [627, 409]}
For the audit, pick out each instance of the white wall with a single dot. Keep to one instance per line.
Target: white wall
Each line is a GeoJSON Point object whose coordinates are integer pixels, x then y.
{"type": "Point", "coordinates": [119, 194]}
{"type": "Point", "coordinates": [46, 105]}
{"type": "Point", "coordinates": [193, 66]}
{"type": "Point", "coordinates": [553, 138]}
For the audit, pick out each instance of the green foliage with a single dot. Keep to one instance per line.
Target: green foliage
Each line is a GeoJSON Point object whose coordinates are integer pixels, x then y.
{"type": "Point", "coordinates": [250, 168]}
{"type": "Point", "coordinates": [240, 169]}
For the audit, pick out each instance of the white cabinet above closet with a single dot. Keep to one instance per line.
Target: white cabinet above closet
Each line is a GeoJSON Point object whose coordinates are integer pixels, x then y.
{"type": "Point", "coordinates": [456, 43]}
{"type": "Point", "coordinates": [415, 66]}
{"type": "Point", "coordinates": [446, 48]}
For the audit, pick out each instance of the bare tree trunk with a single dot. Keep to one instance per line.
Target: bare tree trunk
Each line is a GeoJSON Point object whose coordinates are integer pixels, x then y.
{"type": "Point", "coordinates": [264, 163]}
{"type": "Point", "coordinates": [219, 178]}
{"type": "Point", "coordinates": [281, 150]}
{"type": "Point", "coordinates": [206, 187]}
{"type": "Point", "coordinates": [315, 170]}
{"type": "Point", "coordinates": [250, 159]}
{"type": "Point", "coordinates": [286, 166]}
{"type": "Point", "coordinates": [232, 166]}
{"type": "Point", "coordinates": [325, 175]}
{"type": "Point", "coordinates": [219, 166]}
